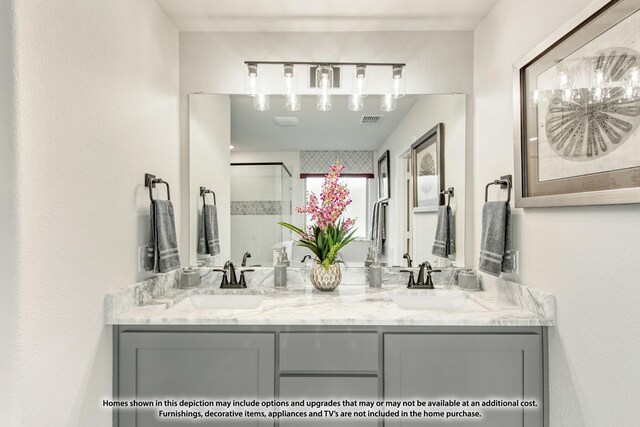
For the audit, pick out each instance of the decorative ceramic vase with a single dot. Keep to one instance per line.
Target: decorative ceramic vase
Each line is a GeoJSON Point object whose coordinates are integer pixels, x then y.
{"type": "Point", "coordinates": [325, 280]}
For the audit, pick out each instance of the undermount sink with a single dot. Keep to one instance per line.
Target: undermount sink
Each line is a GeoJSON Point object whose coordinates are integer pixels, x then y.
{"type": "Point", "coordinates": [226, 302]}
{"type": "Point", "coordinates": [435, 300]}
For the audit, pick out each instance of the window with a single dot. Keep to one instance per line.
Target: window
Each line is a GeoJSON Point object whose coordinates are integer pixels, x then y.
{"type": "Point", "coordinates": [357, 209]}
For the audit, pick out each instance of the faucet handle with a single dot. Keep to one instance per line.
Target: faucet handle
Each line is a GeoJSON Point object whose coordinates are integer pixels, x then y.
{"type": "Point", "coordinates": [243, 282]}
{"type": "Point", "coordinates": [225, 279]}
{"type": "Point", "coordinates": [412, 281]}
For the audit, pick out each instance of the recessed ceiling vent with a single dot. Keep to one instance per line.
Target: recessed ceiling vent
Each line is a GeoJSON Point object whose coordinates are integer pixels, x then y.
{"type": "Point", "coordinates": [285, 121]}
{"type": "Point", "coordinates": [371, 120]}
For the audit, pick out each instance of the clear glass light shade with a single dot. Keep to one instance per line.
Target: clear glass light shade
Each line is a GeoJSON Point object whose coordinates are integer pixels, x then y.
{"type": "Point", "coordinates": [324, 102]}
{"type": "Point", "coordinates": [292, 102]}
{"type": "Point", "coordinates": [388, 102]}
{"type": "Point", "coordinates": [290, 80]}
{"type": "Point", "coordinates": [261, 102]}
{"type": "Point", "coordinates": [358, 82]}
{"type": "Point", "coordinates": [324, 81]}
{"type": "Point", "coordinates": [356, 102]}
{"type": "Point", "coordinates": [398, 89]}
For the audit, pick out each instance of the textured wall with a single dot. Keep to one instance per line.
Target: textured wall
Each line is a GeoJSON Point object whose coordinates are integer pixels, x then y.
{"type": "Point", "coordinates": [97, 107]}
{"type": "Point", "coordinates": [586, 256]}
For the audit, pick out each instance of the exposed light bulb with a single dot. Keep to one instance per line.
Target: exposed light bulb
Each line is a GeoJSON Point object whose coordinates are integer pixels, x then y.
{"type": "Point", "coordinates": [292, 100]}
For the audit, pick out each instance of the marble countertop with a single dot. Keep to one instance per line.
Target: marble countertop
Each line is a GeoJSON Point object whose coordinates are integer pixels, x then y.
{"type": "Point", "coordinates": [159, 302]}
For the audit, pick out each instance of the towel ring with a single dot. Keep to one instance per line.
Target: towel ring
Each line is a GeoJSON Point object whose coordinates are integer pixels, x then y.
{"type": "Point", "coordinates": [504, 181]}
{"type": "Point", "coordinates": [449, 193]}
{"type": "Point", "coordinates": [151, 181]}
{"type": "Point", "coordinates": [203, 192]}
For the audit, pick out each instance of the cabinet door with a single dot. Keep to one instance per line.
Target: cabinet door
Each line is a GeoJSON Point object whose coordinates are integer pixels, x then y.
{"type": "Point", "coordinates": [326, 388]}
{"type": "Point", "coordinates": [192, 365]}
{"type": "Point", "coordinates": [466, 366]}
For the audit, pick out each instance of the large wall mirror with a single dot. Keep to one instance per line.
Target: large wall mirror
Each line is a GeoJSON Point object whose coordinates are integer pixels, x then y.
{"type": "Point", "coordinates": [261, 164]}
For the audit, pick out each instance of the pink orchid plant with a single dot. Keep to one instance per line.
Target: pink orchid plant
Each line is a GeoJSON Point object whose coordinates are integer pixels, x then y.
{"type": "Point", "coordinates": [329, 232]}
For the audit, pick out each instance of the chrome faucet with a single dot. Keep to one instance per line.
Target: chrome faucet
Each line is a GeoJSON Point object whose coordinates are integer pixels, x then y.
{"type": "Point", "coordinates": [408, 258]}
{"type": "Point", "coordinates": [244, 259]}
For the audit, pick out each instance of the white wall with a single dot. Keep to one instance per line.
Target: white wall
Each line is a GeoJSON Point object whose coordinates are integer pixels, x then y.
{"type": "Point", "coordinates": [586, 256]}
{"type": "Point", "coordinates": [210, 136]}
{"type": "Point", "coordinates": [9, 274]}
{"type": "Point", "coordinates": [96, 106]}
{"type": "Point", "coordinates": [425, 114]}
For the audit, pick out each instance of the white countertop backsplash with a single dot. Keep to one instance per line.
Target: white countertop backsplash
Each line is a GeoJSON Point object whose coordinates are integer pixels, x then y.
{"type": "Point", "coordinates": [155, 302]}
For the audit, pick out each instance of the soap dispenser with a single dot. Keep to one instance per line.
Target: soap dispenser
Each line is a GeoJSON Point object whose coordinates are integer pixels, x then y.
{"type": "Point", "coordinates": [285, 257]}
{"type": "Point", "coordinates": [280, 273]}
{"type": "Point", "coordinates": [375, 272]}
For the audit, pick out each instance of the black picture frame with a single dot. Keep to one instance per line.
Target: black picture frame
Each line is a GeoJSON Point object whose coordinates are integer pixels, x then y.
{"type": "Point", "coordinates": [427, 169]}
{"type": "Point", "coordinates": [384, 177]}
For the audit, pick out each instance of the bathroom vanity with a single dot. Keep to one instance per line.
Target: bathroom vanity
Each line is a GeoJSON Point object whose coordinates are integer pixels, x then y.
{"type": "Point", "coordinates": [353, 343]}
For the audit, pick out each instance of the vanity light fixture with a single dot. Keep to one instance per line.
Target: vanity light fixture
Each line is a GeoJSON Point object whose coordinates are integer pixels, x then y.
{"type": "Point", "coordinates": [324, 82]}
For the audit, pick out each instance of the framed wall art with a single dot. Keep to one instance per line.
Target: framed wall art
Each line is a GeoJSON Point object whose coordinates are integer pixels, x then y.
{"type": "Point", "coordinates": [427, 166]}
{"type": "Point", "coordinates": [384, 174]}
{"type": "Point", "coordinates": [577, 112]}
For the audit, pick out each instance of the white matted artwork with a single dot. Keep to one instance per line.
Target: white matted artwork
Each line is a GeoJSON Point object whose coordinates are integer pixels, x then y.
{"type": "Point", "coordinates": [578, 106]}
{"type": "Point", "coordinates": [595, 129]}
{"type": "Point", "coordinates": [427, 169]}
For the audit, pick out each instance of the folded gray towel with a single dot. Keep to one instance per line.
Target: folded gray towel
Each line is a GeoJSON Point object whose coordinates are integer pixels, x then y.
{"type": "Point", "coordinates": [209, 241]}
{"type": "Point", "coordinates": [444, 243]}
{"type": "Point", "coordinates": [495, 246]}
{"type": "Point", "coordinates": [162, 251]}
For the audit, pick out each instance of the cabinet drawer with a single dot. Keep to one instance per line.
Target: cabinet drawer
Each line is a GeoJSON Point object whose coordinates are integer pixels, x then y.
{"type": "Point", "coordinates": [326, 388]}
{"type": "Point", "coordinates": [328, 351]}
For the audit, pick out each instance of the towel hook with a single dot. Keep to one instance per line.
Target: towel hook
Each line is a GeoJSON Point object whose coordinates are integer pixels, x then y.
{"type": "Point", "coordinates": [503, 182]}
{"type": "Point", "coordinates": [449, 193]}
{"type": "Point", "coordinates": [203, 192]}
{"type": "Point", "coordinates": [151, 181]}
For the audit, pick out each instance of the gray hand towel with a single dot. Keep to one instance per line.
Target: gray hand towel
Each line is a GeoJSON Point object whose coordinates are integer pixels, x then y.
{"type": "Point", "coordinates": [209, 241]}
{"type": "Point", "coordinates": [444, 243]}
{"type": "Point", "coordinates": [495, 246]}
{"type": "Point", "coordinates": [162, 251]}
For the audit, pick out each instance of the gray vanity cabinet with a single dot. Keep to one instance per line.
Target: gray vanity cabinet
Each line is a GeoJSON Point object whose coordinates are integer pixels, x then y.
{"type": "Point", "coordinates": [193, 364]}
{"type": "Point", "coordinates": [472, 366]}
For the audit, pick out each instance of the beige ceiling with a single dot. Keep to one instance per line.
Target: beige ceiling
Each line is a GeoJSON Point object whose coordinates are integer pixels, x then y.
{"type": "Point", "coordinates": [326, 15]}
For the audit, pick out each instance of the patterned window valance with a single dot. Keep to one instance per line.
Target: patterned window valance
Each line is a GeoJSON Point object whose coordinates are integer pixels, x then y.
{"type": "Point", "coordinates": [356, 163]}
